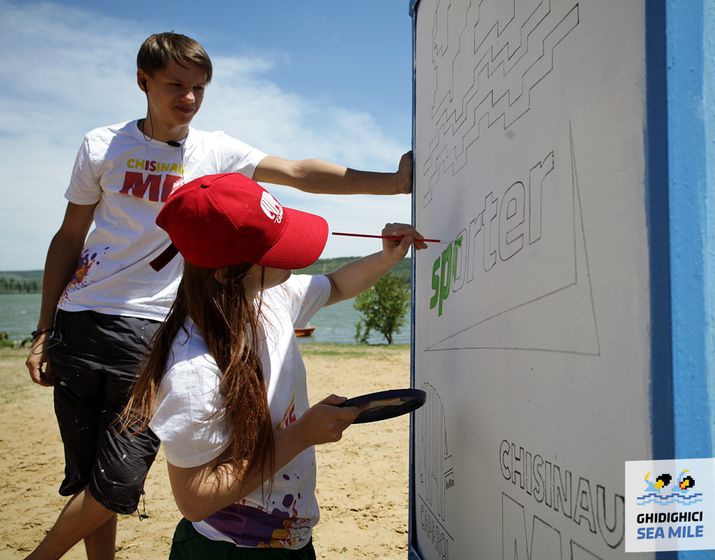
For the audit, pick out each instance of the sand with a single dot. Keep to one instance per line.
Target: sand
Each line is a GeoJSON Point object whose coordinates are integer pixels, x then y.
{"type": "Point", "coordinates": [362, 480]}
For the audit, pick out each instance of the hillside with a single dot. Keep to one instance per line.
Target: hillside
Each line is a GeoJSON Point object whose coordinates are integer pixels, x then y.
{"type": "Point", "coordinates": [26, 275]}
{"type": "Point", "coordinates": [20, 281]}
{"type": "Point", "coordinates": [403, 269]}
{"type": "Point", "coordinates": [30, 281]}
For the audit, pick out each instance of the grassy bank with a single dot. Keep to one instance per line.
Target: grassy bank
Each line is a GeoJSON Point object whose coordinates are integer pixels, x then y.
{"type": "Point", "coordinates": [352, 350]}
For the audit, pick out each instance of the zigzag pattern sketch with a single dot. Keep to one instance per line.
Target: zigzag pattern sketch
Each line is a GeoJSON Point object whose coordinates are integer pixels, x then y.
{"type": "Point", "coordinates": [505, 64]}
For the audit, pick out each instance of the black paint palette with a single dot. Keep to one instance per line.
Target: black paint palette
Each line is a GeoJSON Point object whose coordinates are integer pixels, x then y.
{"type": "Point", "coordinates": [386, 404]}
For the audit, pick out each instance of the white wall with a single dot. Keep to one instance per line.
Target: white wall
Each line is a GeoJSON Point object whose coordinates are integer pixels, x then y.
{"type": "Point", "coordinates": [531, 330]}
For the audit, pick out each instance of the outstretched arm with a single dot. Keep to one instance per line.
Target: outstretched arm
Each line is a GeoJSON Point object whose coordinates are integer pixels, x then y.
{"type": "Point", "coordinates": [321, 177]}
{"type": "Point", "coordinates": [357, 276]}
{"type": "Point", "coordinates": [61, 262]}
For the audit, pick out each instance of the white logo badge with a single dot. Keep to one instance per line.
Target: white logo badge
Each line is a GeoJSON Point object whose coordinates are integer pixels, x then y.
{"type": "Point", "coordinates": [670, 505]}
{"type": "Point", "coordinates": [271, 208]}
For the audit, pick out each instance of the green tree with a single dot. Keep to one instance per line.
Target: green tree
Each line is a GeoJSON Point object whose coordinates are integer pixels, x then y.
{"type": "Point", "coordinates": [382, 308]}
{"type": "Point", "coordinates": [5, 341]}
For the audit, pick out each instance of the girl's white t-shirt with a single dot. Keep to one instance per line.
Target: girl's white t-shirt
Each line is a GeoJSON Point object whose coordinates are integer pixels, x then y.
{"type": "Point", "coordinates": [129, 177]}
{"type": "Point", "coordinates": [188, 421]}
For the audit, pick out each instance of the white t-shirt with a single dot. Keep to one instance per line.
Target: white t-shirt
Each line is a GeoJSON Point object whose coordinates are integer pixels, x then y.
{"type": "Point", "coordinates": [130, 177]}
{"type": "Point", "coordinates": [192, 433]}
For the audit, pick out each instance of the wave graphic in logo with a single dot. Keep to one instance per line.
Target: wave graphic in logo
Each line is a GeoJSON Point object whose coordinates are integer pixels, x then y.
{"type": "Point", "coordinates": [662, 493]}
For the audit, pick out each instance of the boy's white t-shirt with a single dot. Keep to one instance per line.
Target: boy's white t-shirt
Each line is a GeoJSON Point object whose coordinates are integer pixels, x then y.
{"type": "Point", "coordinates": [129, 176]}
{"type": "Point", "coordinates": [188, 421]}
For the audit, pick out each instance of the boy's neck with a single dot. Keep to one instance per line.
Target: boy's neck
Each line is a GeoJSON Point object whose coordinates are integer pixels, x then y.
{"type": "Point", "coordinates": [154, 131]}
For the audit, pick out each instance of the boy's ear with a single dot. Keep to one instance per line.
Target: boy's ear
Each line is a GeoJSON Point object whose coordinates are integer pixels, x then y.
{"type": "Point", "coordinates": [141, 81]}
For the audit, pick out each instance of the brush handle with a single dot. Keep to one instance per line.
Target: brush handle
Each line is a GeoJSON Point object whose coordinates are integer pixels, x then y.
{"type": "Point", "coordinates": [383, 236]}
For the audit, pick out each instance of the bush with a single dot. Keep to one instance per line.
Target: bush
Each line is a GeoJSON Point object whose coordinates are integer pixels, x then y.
{"type": "Point", "coordinates": [5, 341]}
{"type": "Point", "coordinates": [382, 308]}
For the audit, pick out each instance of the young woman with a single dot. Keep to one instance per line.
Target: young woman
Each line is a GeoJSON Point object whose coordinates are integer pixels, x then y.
{"type": "Point", "coordinates": [224, 385]}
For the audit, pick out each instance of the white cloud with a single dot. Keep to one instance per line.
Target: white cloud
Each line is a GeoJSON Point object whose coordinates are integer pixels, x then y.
{"type": "Point", "coordinates": [70, 70]}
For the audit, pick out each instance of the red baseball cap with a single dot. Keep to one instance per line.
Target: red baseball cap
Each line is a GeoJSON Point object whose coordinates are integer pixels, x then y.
{"type": "Point", "coordinates": [223, 220]}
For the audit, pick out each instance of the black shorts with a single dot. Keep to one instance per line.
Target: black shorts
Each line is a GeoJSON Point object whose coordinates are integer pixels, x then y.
{"type": "Point", "coordinates": [95, 360]}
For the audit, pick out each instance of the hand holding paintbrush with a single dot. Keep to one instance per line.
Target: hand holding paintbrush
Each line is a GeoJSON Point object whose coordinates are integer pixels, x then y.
{"type": "Point", "coordinates": [420, 242]}
{"type": "Point", "coordinates": [396, 238]}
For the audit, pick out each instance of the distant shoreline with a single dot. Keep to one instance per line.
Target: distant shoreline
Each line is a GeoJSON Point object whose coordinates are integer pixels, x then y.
{"type": "Point", "coordinates": [334, 324]}
{"type": "Point", "coordinates": [30, 281]}
{"type": "Point", "coordinates": [21, 281]}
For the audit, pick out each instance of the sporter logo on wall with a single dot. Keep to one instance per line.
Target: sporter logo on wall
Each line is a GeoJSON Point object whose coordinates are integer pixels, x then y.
{"type": "Point", "coordinates": [670, 505]}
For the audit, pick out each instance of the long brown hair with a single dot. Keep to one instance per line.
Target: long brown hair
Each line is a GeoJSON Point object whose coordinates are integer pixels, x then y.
{"type": "Point", "coordinates": [227, 318]}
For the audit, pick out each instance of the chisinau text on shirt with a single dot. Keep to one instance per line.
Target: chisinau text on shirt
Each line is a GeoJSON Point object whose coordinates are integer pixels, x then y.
{"type": "Point", "coordinates": [155, 186]}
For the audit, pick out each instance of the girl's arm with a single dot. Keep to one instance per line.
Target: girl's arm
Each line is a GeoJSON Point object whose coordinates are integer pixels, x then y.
{"type": "Point", "coordinates": [204, 490]}
{"type": "Point", "coordinates": [357, 276]}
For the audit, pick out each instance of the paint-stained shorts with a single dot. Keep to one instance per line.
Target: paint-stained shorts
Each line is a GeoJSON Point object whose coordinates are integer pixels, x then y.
{"type": "Point", "coordinates": [189, 544]}
{"type": "Point", "coordinates": [95, 360]}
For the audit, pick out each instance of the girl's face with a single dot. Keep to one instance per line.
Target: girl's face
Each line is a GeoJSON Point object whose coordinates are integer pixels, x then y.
{"type": "Point", "coordinates": [271, 277]}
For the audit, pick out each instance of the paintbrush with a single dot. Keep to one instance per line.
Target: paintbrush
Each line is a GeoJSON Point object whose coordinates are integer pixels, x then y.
{"type": "Point", "coordinates": [384, 236]}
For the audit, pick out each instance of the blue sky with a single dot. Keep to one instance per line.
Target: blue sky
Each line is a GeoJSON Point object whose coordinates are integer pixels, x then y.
{"type": "Point", "coordinates": [318, 78]}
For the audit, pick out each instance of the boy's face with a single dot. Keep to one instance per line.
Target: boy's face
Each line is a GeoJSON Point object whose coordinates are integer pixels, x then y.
{"type": "Point", "coordinates": [174, 93]}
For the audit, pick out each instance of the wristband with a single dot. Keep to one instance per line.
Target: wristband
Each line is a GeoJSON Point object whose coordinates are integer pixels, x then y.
{"type": "Point", "coordinates": [38, 332]}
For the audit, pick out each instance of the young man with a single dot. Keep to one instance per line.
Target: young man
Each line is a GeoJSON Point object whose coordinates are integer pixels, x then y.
{"type": "Point", "coordinates": [102, 302]}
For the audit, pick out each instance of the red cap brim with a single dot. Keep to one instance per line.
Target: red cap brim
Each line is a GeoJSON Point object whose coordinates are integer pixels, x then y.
{"type": "Point", "coordinates": [301, 243]}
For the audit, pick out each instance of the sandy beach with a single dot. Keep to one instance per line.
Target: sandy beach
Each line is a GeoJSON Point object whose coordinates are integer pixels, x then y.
{"type": "Point", "coordinates": [362, 480]}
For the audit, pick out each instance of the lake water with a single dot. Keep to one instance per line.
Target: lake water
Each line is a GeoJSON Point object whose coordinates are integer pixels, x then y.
{"type": "Point", "coordinates": [19, 312]}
